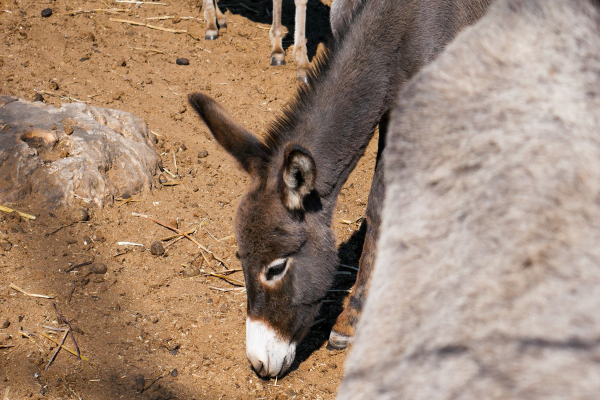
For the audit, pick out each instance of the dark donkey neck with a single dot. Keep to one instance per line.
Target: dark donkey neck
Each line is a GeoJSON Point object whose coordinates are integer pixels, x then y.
{"type": "Point", "coordinates": [353, 87]}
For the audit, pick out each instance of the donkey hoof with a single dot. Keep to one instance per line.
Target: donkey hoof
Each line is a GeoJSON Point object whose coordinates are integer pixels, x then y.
{"type": "Point", "coordinates": [277, 63]}
{"type": "Point", "coordinates": [211, 35]}
{"type": "Point", "coordinates": [338, 341]}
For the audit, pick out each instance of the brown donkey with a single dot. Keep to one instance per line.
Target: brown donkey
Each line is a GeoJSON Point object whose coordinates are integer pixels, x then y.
{"type": "Point", "coordinates": [283, 223]}
{"type": "Point", "coordinates": [488, 269]}
{"type": "Point", "coordinates": [212, 16]}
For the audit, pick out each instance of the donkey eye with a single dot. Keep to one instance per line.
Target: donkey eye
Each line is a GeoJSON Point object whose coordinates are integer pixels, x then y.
{"type": "Point", "coordinates": [276, 269]}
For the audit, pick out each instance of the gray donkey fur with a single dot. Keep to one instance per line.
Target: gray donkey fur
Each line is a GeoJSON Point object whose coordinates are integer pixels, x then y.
{"type": "Point", "coordinates": [487, 280]}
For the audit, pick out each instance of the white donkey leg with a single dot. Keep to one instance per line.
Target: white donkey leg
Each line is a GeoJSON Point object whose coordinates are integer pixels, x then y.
{"type": "Point", "coordinates": [277, 55]}
{"type": "Point", "coordinates": [212, 32]}
{"type": "Point", "coordinates": [220, 18]}
{"type": "Point", "coordinates": [300, 41]}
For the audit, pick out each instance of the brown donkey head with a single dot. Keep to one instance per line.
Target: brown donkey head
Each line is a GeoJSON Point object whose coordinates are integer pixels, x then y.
{"type": "Point", "coordinates": [286, 244]}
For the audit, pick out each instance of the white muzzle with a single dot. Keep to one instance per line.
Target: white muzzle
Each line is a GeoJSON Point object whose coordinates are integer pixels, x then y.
{"type": "Point", "coordinates": [267, 352]}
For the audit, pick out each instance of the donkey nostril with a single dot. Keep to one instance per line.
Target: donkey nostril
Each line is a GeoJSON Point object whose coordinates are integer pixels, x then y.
{"type": "Point", "coordinates": [258, 367]}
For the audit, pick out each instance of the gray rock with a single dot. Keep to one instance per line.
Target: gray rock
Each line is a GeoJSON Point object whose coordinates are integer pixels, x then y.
{"type": "Point", "coordinates": [95, 155]}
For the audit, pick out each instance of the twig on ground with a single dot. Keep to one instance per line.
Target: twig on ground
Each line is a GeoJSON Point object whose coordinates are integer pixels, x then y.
{"type": "Point", "coordinates": [172, 183]}
{"type": "Point", "coordinates": [173, 242]}
{"type": "Point", "coordinates": [170, 173]}
{"type": "Point", "coordinates": [6, 393]}
{"type": "Point", "coordinates": [129, 244]}
{"type": "Point", "coordinates": [62, 342]}
{"type": "Point", "coordinates": [54, 329]}
{"type": "Point", "coordinates": [84, 358]}
{"type": "Point", "coordinates": [65, 226]}
{"type": "Point", "coordinates": [70, 329]}
{"type": "Point", "coordinates": [61, 96]}
{"type": "Point", "coordinates": [227, 290]}
{"type": "Point", "coordinates": [6, 346]}
{"type": "Point", "coordinates": [225, 277]}
{"type": "Point", "coordinates": [317, 322]}
{"type": "Point", "coordinates": [175, 163]}
{"type": "Point", "coordinates": [266, 28]}
{"type": "Point", "coordinates": [29, 335]}
{"type": "Point", "coordinates": [158, 28]}
{"type": "Point", "coordinates": [128, 200]}
{"type": "Point", "coordinates": [232, 236]}
{"type": "Point", "coordinates": [107, 10]}
{"type": "Point", "coordinates": [349, 266]}
{"type": "Point", "coordinates": [181, 233]}
{"type": "Point", "coordinates": [348, 222]}
{"type": "Point", "coordinates": [22, 214]}
{"type": "Point", "coordinates": [18, 289]}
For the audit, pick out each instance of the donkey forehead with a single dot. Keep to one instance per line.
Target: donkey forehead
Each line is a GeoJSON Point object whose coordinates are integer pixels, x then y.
{"type": "Point", "coordinates": [265, 229]}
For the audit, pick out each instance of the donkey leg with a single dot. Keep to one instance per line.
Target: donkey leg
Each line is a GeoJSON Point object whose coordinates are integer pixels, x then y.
{"type": "Point", "coordinates": [212, 32]}
{"type": "Point", "coordinates": [277, 55]}
{"type": "Point", "coordinates": [221, 18]}
{"type": "Point", "coordinates": [300, 41]}
{"type": "Point", "coordinates": [342, 332]}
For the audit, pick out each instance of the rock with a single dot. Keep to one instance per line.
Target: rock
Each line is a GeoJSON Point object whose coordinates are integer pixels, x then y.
{"type": "Point", "coordinates": [46, 12]}
{"type": "Point", "coordinates": [139, 383]}
{"type": "Point", "coordinates": [203, 154]}
{"type": "Point", "coordinates": [39, 97]}
{"type": "Point", "coordinates": [5, 245]}
{"type": "Point", "coordinates": [191, 271]}
{"type": "Point", "coordinates": [80, 214]}
{"type": "Point", "coordinates": [182, 61]}
{"type": "Point", "coordinates": [162, 179]}
{"type": "Point", "coordinates": [53, 85]}
{"type": "Point", "coordinates": [157, 249]}
{"type": "Point", "coordinates": [96, 268]}
{"type": "Point", "coordinates": [5, 324]}
{"type": "Point", "coordinates": [154, 319]}
{"type": "Point", "coordinates": [109, 152]}
{"type": "Point", "coordinates": [174, 373]}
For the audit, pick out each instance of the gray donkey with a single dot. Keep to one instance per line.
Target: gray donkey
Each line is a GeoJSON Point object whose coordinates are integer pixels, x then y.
{"type": "Point", "coordinates": [341, 13]}
{"type": "Point", "coordinates": [283, 223]}
{"type": "Point", "coordinates": [487, 280]}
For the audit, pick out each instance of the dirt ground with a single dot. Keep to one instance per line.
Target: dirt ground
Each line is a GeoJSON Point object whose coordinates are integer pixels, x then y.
{"type": "Point", "coordinates": [153, 327]}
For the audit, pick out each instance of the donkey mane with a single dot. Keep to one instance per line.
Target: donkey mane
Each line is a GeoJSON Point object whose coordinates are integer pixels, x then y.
{"type": "Point", "coordinates": [280, 130]}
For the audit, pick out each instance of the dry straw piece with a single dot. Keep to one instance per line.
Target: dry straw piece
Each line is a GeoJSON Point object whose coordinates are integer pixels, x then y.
{"type": "Point", "coordinates": [18, 289]}
{"type": "Point", "coordinates": [22, 214]}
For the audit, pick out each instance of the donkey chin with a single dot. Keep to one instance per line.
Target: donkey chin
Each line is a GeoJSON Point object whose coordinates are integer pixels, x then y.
{"type": "Point", "coordinates": [269, 354]}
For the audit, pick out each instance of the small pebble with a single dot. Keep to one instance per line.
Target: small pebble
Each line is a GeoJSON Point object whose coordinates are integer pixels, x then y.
{"type": "Point", "coordinates": [174, 373]}
{"type": "Point", "coordinates": [154, 319]}
{"type": "Point", "coordinates": [162, 178]}
{"type": "Point", "coordinates": [5, 324]}
{"type": "Point", "coordinates": [53, 85]}
{"type": "Point", "coordinates": [125, 196]}
{"type": "Point", "coordinates": [5, 245]}
{"type": "Point", "coordinates": [157, 249]}
{"type": "Point", "coordinates": [183, 147]}
{"type": "Point", "coordinates": [39, 97]}
{"type": "Point", "coordinates": [139, 384]}
{"type": "Point", "coordinates": [183, 61]}
{"type": "Point", "coordinates": [203, 154]}
{"type": "Point", "coordinates": [46, 12]}
{"type": "Point", "coordinates": [191, 271]}
{"type": "Point", "coordinates": [97, 268]}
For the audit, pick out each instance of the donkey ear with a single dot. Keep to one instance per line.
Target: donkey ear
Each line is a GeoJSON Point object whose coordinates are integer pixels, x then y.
{"type": "Point", "coordinates": [238, 141]}
{"type": "Point", "coordinates": [299, 174]}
